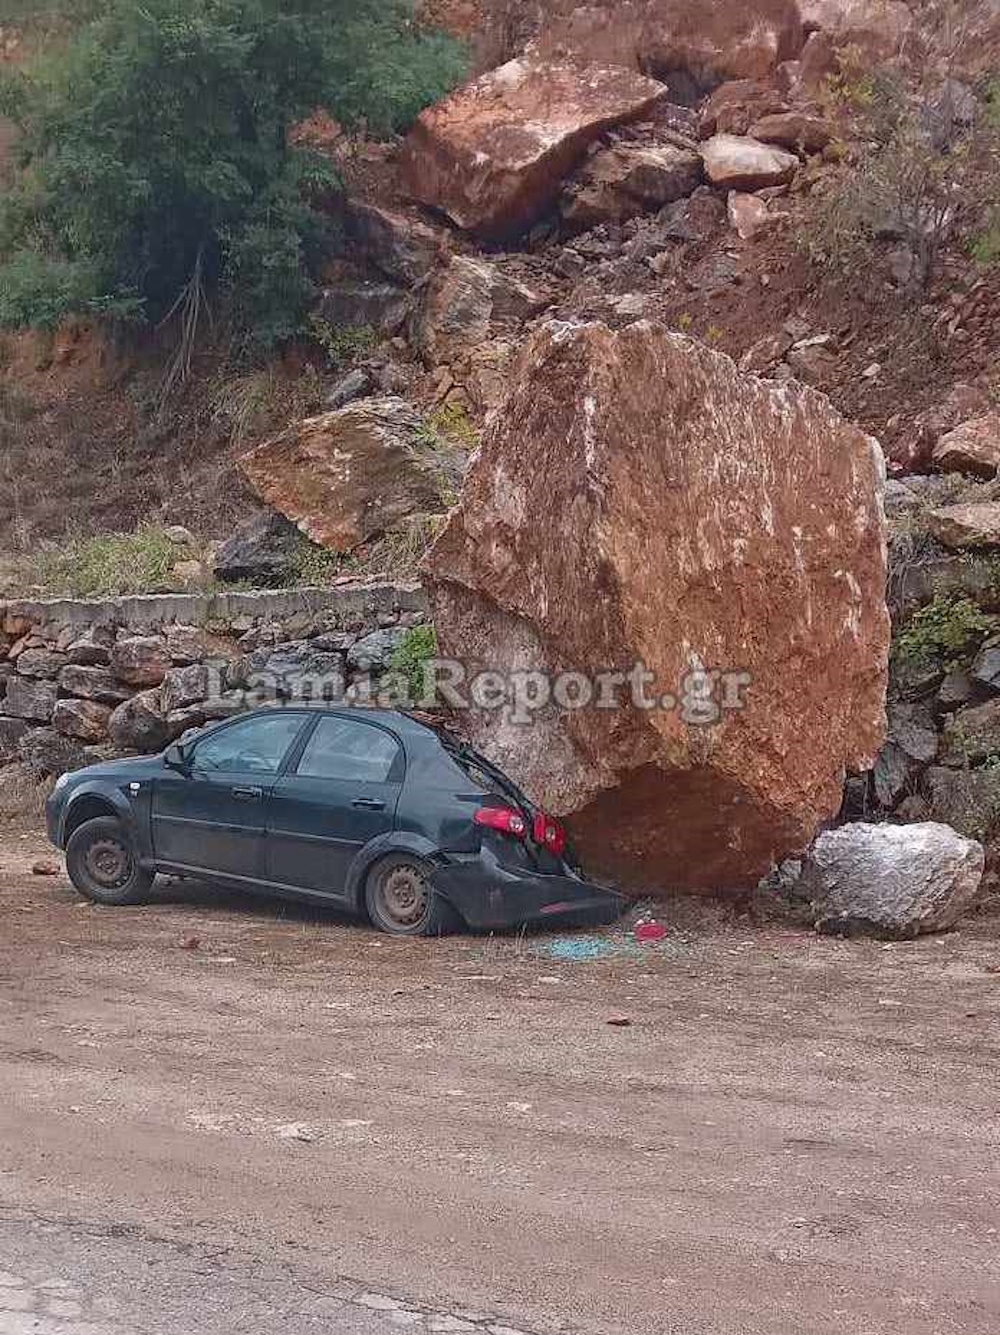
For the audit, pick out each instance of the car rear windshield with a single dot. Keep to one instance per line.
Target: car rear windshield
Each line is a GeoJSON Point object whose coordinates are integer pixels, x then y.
{"type": "Point", "coordinates": [485, 774]}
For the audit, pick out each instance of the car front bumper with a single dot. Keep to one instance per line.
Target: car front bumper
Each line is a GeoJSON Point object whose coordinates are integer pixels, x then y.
{"type": "Point", "coordinates": [53, 819]}
{"type": "Point", "coordinates": [490, 895]}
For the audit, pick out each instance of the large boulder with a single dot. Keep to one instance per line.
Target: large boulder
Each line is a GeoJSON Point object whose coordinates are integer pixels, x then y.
{"type": "Point", "coordinates": [638, 501]}
{"type": "Point", "coordinates": [892, 880]}
{"type": "Point", "coordinates": [405, 249]}
{"type": "Point", "coordinates": [494, 154]}
{"type": "Point", "coordinates": [692, 47]}
{"type": "Point", "coordinates": [93, 683]}
{"type": "Point", "coordinates": [43, 664]}
{"type": "Point", "coordinates": [350, 475]}
{"type": "Point", "coordinates": [876, 29]}
{"type": "Point", "coordinates": [139, 724]}
{"type": "Point", "coordinates": [30, 699]}
{"type": "Point", "coordinates": [913, 451]}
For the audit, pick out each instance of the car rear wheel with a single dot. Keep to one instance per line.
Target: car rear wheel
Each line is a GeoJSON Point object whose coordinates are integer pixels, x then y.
{"type": "Point", "coordinates": [402, 902]}
{"type": "Point", "coordinates": [102, 863]}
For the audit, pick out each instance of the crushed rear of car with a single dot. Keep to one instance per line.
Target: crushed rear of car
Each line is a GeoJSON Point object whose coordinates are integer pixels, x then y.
{"type": "Point", "coordinates": [522, 870]}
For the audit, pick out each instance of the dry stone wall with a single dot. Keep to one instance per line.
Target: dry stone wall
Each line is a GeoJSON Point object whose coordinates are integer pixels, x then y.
{"type": "Point", "coordinates": [80, 681]}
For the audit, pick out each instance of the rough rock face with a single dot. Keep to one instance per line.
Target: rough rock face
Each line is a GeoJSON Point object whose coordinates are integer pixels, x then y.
{"type": "Point", "coordinates": [973, 447]}
{"type": "Point", "coordinates": [959, 527]}
{"type": "Point", "coordinates": [348, 475]}
{"type": "Point", "coordinates": [464, 303]}
{"type": "Point", "coordinates": [693, 46]}
{"type": "Point", "coordinates": [140, 660]}
{"type": "Point", "coordinates": [636, 498]}
{"type": "Point", "coordinates": [85, 720]}
{"type": "Point", "coordinates": [624, 180]}
{"type": "Point", "coordinates": [797, 131]}
{"type": "Point", "coordinates": [892, 880]}
{"type": "Point", "coordinates": [736, 162]}
{"type": "Point", "coordinates": [493, 155]}
{"type": "Point", "coordinates": [876, 28]}
{"type": "Point", "coordinates": [264, 549]}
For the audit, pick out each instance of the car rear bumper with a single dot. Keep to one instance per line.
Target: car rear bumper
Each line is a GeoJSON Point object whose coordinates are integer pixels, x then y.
{"type": "Point", "coordinates": [490, 895]}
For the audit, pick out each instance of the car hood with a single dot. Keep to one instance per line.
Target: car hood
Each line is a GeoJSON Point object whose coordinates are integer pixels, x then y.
{"type": "Point", "coordinates": [133, 767]}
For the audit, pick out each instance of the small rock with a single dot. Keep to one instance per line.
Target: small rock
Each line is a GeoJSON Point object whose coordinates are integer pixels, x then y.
{"type": "Point", "coordinates": [45, 867]}
{"type": "Point", "coordinates": [140, 660]}
{"type": "Point", "coordinates": [748, 215]}
{"type": "Point", "coordinates": [295, 1130]}
{"type": "Point", "coordinates": [736, 162]}
{"type": "Point", "coordinates": [619, 1021]}
{"type": "Point", "coordinates": [86, 720]}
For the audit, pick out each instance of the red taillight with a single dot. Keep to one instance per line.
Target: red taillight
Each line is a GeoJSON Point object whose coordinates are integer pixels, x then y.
{"type": "Point", "coordinates": [549, 834]}
{"type": "Point", "coordinates": [504, 819]}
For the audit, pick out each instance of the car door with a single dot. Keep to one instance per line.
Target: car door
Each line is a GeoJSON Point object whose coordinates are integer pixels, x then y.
{"type": "Point", "coordinates": [210, 819]}
{"type": "Point", "coordinates": [341, 794]}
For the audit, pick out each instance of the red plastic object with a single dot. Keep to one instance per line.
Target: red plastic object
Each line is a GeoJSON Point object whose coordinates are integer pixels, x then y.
{"type": "Point", "coordinates": [649, 932]}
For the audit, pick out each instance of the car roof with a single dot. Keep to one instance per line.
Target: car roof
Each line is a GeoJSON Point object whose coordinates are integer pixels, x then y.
{"type": "Point", "coordinates": [406, 725]}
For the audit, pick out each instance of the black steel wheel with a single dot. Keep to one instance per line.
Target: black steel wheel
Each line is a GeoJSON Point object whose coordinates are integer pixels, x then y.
{"type": "Point", "coordinates": [401, 901]}
{"type": "Point", "coordinates": [102, 863]}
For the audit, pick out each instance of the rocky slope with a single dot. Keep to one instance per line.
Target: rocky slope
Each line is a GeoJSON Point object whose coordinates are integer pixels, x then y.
{"type": "Point", "coordinates": [674, 167]}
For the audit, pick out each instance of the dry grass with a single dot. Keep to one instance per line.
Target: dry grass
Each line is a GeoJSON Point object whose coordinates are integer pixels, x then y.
{"type": "Point", "coordinates": [22, 796]}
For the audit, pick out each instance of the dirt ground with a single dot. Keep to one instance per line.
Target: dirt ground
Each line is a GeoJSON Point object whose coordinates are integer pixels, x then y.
{"type": "Point", "coordinates": [794, 1134]}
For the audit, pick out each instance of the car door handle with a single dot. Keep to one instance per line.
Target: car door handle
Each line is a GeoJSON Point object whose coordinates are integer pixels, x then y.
{"type": "Point", "coordinates": [248, 794]}
{"type": "Point", "coordinates": [368, 804]}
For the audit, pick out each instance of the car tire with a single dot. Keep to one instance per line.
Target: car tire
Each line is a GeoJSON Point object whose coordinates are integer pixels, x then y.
{"type": "Point", "coordinates": [402, 902]}
{"type": "Point", "coordinates": [103, 863]}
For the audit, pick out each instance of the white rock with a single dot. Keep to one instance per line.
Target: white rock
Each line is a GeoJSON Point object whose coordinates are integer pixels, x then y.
{"type": "Point", "coordinates": [892, 880]}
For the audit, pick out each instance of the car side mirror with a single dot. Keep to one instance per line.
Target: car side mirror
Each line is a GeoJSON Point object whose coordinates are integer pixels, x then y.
{"type": "Point", "coordinates": [177, 757]}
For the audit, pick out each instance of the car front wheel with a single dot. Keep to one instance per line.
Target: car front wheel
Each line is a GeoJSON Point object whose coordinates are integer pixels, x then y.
{"type": "Point", "coordinates": [401, 901]}
{"type": "Point", "coordinates": [103, 864]}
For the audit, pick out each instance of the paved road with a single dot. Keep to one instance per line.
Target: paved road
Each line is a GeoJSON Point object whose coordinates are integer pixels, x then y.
{"type": "Point", "coordinates": [76, 1278]}
{"type": "Point", "coordinates": [220, 1117]}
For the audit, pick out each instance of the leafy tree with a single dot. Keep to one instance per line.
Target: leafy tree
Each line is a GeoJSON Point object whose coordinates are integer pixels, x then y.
{"type": "Point", "coordinates": [156, 165]}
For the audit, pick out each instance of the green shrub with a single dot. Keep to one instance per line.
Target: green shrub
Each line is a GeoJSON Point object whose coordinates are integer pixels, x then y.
{"type": "Point", "coordinates": [944, 632]}
{"type": "Point", "coordinates": [410, 659]}
{"type": "Point", "coordinates": [157, 168]}
{"type": "Point", "coordinates": [343, 345]}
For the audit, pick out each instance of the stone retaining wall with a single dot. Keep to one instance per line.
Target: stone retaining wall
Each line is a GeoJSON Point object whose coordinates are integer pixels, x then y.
{"type": "Point", "coordinates": [82, 680]}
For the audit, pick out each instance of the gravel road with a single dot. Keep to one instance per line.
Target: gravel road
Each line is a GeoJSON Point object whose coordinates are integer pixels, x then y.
{"type": "Point", "coordinates": [219, 1116]}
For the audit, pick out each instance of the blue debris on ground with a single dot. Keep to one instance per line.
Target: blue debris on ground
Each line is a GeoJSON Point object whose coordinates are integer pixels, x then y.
{"type": "Point", "coordinates": [575, 948]}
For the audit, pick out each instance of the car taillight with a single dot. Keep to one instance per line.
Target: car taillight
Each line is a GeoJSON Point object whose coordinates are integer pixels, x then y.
{"type": "Point", "coordinates": [504, 819]}
{"type": "Point", "coordinates": [549, 834]}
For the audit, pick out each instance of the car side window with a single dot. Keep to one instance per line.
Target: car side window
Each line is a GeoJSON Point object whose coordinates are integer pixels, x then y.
{"type": "Point", "coordinates": [256, 746]}
{"type": "Point", "coordinates": [342, 749]}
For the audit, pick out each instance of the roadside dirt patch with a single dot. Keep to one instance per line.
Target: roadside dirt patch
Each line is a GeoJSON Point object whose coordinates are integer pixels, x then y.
{"type": "Point", "coordinates": [792, 1133]}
